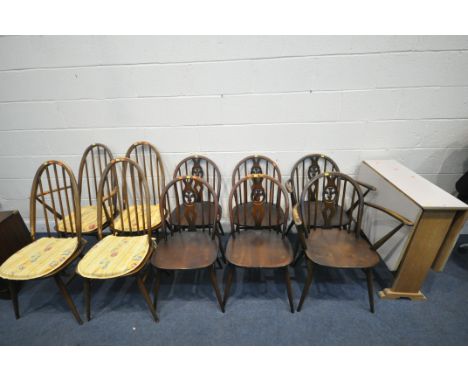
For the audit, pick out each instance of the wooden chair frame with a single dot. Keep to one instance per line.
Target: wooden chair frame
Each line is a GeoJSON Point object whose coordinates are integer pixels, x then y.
{"type": "Point", "coordinates": [252, 165]}
{"type": "Point", "coordinates": [339, 181]}
{"type": "Point", "coordinates": [260, 194]}
{"type": "Point", "coordinates": [58, 194]}
{"type": "Point", "coordinates": [152, 166]}
{"type": "Point", "coordinates": [86, 176]}
{"type": "Point", "coordinates": [120, 199]}
{"type": "Point", "coordinates": [189, 190]}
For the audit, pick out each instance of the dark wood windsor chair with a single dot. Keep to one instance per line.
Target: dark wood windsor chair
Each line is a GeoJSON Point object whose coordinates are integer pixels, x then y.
{"type": "Point", "coordinates": [121, 254]}
{"type": "Point", "coordinates": [332, 244]}
{"type": "Point", "coordinates": [258, 247]}
{"type": "Point", "coordinates": [55, 190]}
{"type": "Point", "coordinates": [255, 164]}
{"type": "Point", "coordinates": [93, 162]}
{"type": "Point", "coordinates": [193, 241]}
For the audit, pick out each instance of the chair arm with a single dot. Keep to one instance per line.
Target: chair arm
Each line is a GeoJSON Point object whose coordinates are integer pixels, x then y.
{"type": "Point", "coordinates": [392, 213]}
{"type": "Point", "coordinates": [290, 189]}
{"type": "Point", "coordinates": [296, 216]}
{"type": "Point", "coordinates": [403, 221]}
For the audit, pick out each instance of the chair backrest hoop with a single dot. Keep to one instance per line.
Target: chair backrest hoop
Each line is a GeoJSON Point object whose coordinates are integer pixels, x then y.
{"type": "Point", "coordinates": [152, 168]}
{"type": "Point", "coordinates": [189, 190]}
{"type": "Point", "coordinates": [193, 165]}
{"type": "Point", "coordinates": [259, 196]}
{"type": "Point", "coordinates": [256, 164]}
{"type": "Point", "coordinates": [332, 190]}
{"type": "Point", "coordinates": [308, 167]}
{"type": "Point", "coordinates": [120, 197]}
{"type": "Point", "coordinates": [96, 150]}
{"type": "Point", "coordinates": [63, 206]}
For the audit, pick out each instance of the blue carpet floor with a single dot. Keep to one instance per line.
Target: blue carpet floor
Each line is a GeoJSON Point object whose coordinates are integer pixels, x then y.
{"type": "Point", "coordinates": [335, 313]}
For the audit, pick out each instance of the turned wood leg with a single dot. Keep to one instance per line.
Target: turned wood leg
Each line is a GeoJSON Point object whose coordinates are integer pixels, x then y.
{"type": "Point", "coordinates": [68, 299]}
{"type": "Point", "coordinates": [146, 296]}
{"type": "Point", "coordinates": [310, 274]}
{"type": "Point", "coordinates": [230, 275]}
{"type": "Point", "coordinates": [370, 288]}
{"type": "Point", "coordinates": [288, 286]}
{"type": "Point", "coordinates": [215, 287]}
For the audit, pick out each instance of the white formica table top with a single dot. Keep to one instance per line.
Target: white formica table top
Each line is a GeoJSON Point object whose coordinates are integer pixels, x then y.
{"type": "Point", "coordinates": [424, 193]}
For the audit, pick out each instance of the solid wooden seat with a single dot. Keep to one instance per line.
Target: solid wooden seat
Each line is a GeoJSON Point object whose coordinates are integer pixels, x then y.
{"type": "Point", "coordinates": [257, 202]}
{"type": "Point", "coordinates": [339, 249]}
{"type": "Point", "coordinates": [186, 250]}
{"type": "Point", "coordinates": [243, 216]}
{"type": "Point", "coordinates": [259, 249]}
{"type": "Point", "coordinates": [193, 242]}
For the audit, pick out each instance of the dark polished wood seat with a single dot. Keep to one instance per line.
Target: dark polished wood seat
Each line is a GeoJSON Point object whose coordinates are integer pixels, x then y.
{"type": "Point", "coordinates": [259, 249]}
{"type": "Point", "coordinates": [263, 245]}
{"type": "Point", "coordinates": [190, 246]}
{"type": "Point", "coordinates": [337, 247]}
{"type": "Point", "coordinates": [186, 250]}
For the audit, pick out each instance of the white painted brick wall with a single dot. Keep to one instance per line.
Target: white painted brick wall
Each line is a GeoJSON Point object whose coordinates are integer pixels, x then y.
{"type": "Point", "coordinates": [352, 97]}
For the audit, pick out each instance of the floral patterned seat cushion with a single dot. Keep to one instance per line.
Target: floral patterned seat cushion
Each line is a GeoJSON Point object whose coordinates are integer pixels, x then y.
{"type": "Point", "coordinates": [39, 258]}
{"type": "Point", "coordinates": [88, 220]}
{"type": "Point", "coordinates": [114, 256]}
{"type": "Point", "coordinates": [155, 218]}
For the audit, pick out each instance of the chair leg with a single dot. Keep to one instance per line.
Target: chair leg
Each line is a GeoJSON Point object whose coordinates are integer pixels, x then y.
{"type": "Point", "coordinates": [215, 287]}
{"type": "Point", "coordinates": [300, 254]}
{"type": "Point", "coordinates": [223, 255]}
{"type": "Point", "coordinates": [288, 286]}
{"type": "Point", "coordinates": [87, 297]}
{"type": "Point", "coordinates": [221, 230]}
{"type": "Point", "coordinates": [289, 227]}
{"type": "Point", "coordinates": [144, 292]}
{"type": "Point", "coordinates": [310, 274]}
{"type": "Point", "coordinates": [157, 282]}
{"type": "Point", "coordinates": [370, 288]}
{"type": "Point", "coordinates": [14, 297]}
{"type": "Point", "coordinates": [228, 284]}
{"type": "Point", "coordinates": [218, 262]}
{"type": "Point", "coordinates": [68, 299]}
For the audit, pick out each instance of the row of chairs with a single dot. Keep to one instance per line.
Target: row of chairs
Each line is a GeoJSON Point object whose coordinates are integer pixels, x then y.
{"type": "Point", "coordinates": [141, 220]}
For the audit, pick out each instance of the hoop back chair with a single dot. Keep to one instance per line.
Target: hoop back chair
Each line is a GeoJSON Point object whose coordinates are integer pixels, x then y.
{"type": "Point", "coordinates": [93, 162]}
{"type": "Point", "coordinates": [205, 168]}
{"type": "Point", "coordinates": [55, 196]}
{"type": "Point", "coordinates": [305, 169]}
{"type": "Point", "coordinates": [186, 202]}
{"type": "Point", "coordinates": [148, 158]}
{"type": "Point", "coordinates": [251, 165]}
{"type": "Point", "coordinates": [332, 245]}
{"type": "Point", "coordinates": [121, 254]}
{"type": "Point", "coordinates": [258, 247]}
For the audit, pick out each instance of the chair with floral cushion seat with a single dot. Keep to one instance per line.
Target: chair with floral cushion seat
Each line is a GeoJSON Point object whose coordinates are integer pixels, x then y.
{"type": "Point", "coordinates": [333, 245]}
{"type": "Point", "coordinates": [121, 254]}
{"type": "Point", "coordinates": [93, 162]}
{"type": "Point", "coordinates": [190, 246]}
{"type": "Point", "coordinates": [255, 164]}
{"type": "Point", "coordinates": [148, 158]}
{"type": "Point", "coordinates": [55, 191]}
